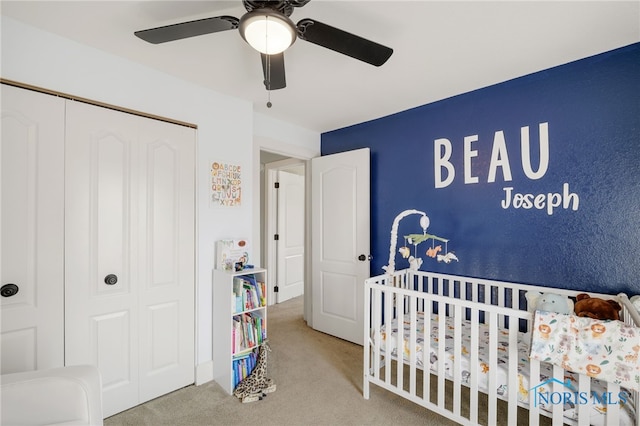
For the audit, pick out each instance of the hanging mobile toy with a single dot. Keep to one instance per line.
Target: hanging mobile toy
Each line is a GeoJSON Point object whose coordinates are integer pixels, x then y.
{"type": "Point", "coordinates": [415, 261]}
{"type": "Point", "coordinates": [404, 251]}
{"type": "Point", "coordinates": [424, 223]}
{"type": "Point", "coordinates": [433, 251]}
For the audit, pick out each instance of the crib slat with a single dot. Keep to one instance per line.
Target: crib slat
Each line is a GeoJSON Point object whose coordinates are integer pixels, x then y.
{"type": "Point", "coordinates": [388, 317]}
{"type": "Point", "coordinates": [426, 357]}
{"type": "Point", "coordinates": [558, 389]}
{"type": "Point", "coordinates": [441, 351]}
{"type": "Point", "coordinates": [513, 371]}
{"type": "Point", "coordinates": [400, 342]}
{"type": "Point", "coordinates": [534, 377]}
{"type": "Point", "coordinates": [613, 410]}
{"type": "Point", "coordinates": [493, 366]}
{"type": "Point", "coordinates": [377, 323]}
{"type": "Point", "coordinates": [367, 330]}
{"type": "Point", "coordinates": [412, 345]}
{"type": "Point", "coordinates": [500, 291]}
{"type": "Point", "coordinates": [584, 384]}
{"type": "Point", "coordinates": [473, 366]}
{"type": "Point", "coordinates": [457, 353]}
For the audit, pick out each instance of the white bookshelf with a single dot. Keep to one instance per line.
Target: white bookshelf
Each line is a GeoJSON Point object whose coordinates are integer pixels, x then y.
{"type": "Point", "coordinates": [224, 310]}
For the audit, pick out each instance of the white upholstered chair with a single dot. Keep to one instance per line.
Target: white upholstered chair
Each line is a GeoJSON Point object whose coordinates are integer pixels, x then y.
{"type": "Point", "coordinates": [58, 396]}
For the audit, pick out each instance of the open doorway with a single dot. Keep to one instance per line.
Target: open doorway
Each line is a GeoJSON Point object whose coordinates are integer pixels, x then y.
{"type": "Point", "coordinates": [283, 224]}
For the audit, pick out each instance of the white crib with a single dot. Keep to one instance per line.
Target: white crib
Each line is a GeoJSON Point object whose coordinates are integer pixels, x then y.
{"type": "Point", "coordinates": [478, 386]}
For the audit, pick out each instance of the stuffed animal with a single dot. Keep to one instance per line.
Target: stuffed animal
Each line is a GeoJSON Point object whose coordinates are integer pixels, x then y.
{"type": "Point", "coordinates": [550, 302]}
{"type": "Point", "coordinates": [256, 386]}
{"type": "Point", "coordinates": [597, 308]}
{"type": "Point", "coordinates": [415, 263]}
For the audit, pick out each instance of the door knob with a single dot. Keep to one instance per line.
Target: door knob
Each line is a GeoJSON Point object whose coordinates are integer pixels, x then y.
{"type": "Point", "coordinates": [363, 257]}
{"type": "Point", "coordinates": [9, 290]}
{"type": "Point", "coordinates": [111, 279]}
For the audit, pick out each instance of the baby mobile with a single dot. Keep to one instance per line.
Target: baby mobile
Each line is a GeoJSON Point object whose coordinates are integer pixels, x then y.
{"type": "Point", "coordinates": [415, 261]}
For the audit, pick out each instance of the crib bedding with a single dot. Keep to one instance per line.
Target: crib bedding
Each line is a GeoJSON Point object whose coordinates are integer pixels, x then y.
{"type": "Point", "coordinates": [430, 354]}
{"type": "Point", "coordinates": [604, 349]}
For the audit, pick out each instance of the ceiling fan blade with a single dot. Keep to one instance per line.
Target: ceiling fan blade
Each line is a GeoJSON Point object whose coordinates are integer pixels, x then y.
{"type": "Point", "coordinates": [273, 71]}
{"type": "Point", "coordinates": [343, 42]}
{"type": "Point", "coordinates": [188, 29]}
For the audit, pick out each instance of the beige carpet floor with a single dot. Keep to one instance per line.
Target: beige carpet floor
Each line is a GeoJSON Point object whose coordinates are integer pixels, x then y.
{"type": "Point", "coordinates": [319, 382]}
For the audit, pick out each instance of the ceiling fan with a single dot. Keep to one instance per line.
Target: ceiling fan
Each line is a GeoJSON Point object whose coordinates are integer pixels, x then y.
{"type": "Point", "coordinates": [267, 28]}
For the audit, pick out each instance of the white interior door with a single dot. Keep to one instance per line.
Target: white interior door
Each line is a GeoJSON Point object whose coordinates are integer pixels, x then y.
{"type": "Point", "coordinates": [290, 244]}
{"type": "Point", "coordinates": [32, 231]}
{"type": "Point", "coordinates": [129, 253]}
{"type": "Point", "coordinates": [340, 238]}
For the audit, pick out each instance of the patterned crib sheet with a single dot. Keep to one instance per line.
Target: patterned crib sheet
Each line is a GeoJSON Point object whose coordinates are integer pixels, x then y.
{"type": "Point", "coordinates": [430, 354]}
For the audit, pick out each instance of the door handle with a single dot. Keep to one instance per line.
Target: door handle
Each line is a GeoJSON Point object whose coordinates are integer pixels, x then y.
{"type": "Point", "coordinates": [111, 279]}
{"type": "Point", "coordinates": [363, 257]}
{"type": "Point", "coordinates": [9, 290]}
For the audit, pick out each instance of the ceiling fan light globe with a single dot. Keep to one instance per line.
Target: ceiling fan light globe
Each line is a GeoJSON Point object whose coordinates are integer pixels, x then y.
{"type": "Point", "coordinates": [267, 31]}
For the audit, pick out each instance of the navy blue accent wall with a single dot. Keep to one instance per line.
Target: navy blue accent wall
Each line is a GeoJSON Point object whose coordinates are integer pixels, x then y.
{"type": "Point", "coordinates": [571, 222]}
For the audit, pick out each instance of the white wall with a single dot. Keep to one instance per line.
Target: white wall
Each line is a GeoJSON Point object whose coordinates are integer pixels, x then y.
{"type": "Point", "coordinates": [225, 131]}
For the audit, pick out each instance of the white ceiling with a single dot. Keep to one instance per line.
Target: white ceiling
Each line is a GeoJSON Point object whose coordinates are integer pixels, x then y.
{"type": "Point", "coordinates": [441, 48]}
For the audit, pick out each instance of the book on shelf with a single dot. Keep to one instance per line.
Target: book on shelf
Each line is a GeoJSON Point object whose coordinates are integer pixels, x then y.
{"type": "Point", "coordinates": [243, 365]}
{"type": "Point", "coordinates": [248, 293]}
{"type": "Point", "coordinates": [248, 331]}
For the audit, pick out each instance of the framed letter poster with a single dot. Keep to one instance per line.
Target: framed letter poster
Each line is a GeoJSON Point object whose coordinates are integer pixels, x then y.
{"type": "Point", "coordinates": [226, 184]}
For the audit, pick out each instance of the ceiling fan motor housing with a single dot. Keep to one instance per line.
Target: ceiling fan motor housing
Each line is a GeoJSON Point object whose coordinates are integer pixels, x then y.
{"type": "Point", "coordinates": [285, 7]}
{"type": "Point", "coordinates": [254, 25]}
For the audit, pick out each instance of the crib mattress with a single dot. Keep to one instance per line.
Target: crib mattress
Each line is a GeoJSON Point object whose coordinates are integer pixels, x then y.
{"type": "Point", "coordinates": [430, 354]}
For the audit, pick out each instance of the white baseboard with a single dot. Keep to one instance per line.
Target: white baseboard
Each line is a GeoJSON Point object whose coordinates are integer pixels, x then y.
{"type": "Point", "coordinates": [204, 373]}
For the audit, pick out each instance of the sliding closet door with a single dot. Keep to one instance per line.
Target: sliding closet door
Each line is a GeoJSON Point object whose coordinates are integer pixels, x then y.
{"type": "Point", "coordinates": [129, 252]}
{"type": "Point", "coordinates": [166, 233]}
{"type": "Point", "coordinates": [31, 262]}
{"type": "Point", "coordinates": [101, 251]}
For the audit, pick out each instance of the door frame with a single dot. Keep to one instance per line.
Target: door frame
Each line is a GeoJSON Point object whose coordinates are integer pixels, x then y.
{"type": "Point", "coordinates": [261, 143]}
{"type": "Point", "coordinates": [271, 223]}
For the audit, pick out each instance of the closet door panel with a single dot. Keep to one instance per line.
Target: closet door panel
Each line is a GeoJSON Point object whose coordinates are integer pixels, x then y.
{"type": "Point", "coordinates": [109, 224]}
{"type": "Point", "coordinates": [101, 249]}
{"type": "Point", "coordinates": [31, 257]}
{"type": "Point", "coordinates": [111, 340]}
{"type": "Point", "coordinates": [167, 223]}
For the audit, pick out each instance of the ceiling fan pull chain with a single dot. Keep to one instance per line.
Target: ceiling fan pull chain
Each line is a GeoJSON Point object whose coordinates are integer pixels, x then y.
{"type": "Point", "coordinates": [266, 40]}
{"type": "Point", "coordinates": [269, 81]}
